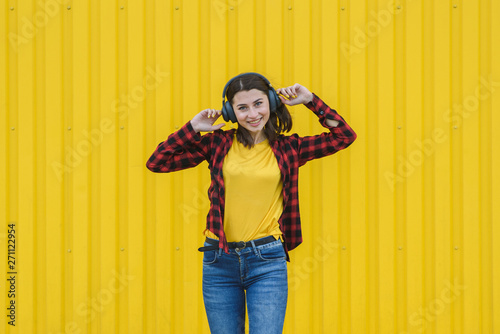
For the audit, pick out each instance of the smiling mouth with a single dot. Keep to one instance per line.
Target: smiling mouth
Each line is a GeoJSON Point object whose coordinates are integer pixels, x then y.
{"type": "Point", "coordinates": [256, 122]}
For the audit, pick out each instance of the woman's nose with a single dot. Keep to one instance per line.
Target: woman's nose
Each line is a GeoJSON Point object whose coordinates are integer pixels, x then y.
{"type": "Point", "coordinates": [253, 112]}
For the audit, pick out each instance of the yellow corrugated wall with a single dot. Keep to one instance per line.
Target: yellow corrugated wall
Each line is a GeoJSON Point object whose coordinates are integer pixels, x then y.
{"type": "Point", "coordinates": [402, 230]}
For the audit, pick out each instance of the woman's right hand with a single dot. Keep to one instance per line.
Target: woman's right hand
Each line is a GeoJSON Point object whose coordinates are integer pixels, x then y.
{"type": "Point", "coordinates": [205, 119]}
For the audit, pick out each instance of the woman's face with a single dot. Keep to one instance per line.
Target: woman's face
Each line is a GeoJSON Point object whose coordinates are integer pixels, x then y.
{"type": "Point", "coordinates": [251, 108]}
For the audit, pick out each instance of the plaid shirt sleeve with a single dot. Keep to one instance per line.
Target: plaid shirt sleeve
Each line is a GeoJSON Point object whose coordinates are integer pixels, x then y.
{"type": "Point", "coordinates": [183, 149]}
{"type": "Point", "coordinates": [339, 137]}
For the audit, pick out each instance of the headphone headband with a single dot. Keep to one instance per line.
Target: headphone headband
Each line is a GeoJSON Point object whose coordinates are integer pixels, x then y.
{"type": "Point", "coordinates": [240, 75]}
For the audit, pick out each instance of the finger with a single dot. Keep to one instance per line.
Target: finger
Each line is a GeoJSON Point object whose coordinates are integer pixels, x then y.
{"type": "Point", "coordinates": [282, 95]}
{"type": "Point", "coordinates": [287, 102]}
{"type": "Point", "coordinates": [290, 93]}
{"type": "Point", "coordinates": [212, 113]}
{"type": "Point", "coordinates": [285, 92]}
{"type": "Point", "coordinates": [216, 113]}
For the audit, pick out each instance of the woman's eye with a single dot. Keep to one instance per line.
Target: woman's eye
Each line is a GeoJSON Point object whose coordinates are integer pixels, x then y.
{"type": "Point", "coordinates": [242, 108]}
{"type": "Point", "coordinates": [258, 103]}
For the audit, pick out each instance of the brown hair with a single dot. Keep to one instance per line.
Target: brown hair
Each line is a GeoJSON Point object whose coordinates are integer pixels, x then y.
{"type": "Point", "coordinates": [279, 121]}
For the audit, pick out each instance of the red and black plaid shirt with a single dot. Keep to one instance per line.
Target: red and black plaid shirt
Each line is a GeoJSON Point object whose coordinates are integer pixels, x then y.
{"type": "Point", "coordinates": [186, 148]}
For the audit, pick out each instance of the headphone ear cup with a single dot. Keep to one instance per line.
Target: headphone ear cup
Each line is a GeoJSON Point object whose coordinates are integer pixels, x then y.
{"type": "Point", "coordinates": [224, 112]}
{"type": "Point", "coordinates": [228, 112]}
{"type": "Point", "coordinates": [274, 100]}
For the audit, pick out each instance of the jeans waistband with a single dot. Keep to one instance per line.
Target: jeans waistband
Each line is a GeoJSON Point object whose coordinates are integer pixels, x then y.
{"type": "Point", "coordinates": [236, 245]}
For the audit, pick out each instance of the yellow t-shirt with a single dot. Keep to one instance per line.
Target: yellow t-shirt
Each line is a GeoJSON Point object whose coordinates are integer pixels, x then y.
{"type": "Point", "coordinates": [254, 193]}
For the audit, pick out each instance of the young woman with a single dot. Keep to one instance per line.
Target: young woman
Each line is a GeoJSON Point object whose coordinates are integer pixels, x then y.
{"type": "Point", "coordinates": [254, 217]}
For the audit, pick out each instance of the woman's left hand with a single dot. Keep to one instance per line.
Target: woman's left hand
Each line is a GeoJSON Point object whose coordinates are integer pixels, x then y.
{"type": "Point", "coordinates": [296, 94]}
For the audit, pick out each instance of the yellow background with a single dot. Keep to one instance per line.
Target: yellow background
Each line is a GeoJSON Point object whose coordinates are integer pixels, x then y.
{"type": "Point", "coordinates": [402, 230]}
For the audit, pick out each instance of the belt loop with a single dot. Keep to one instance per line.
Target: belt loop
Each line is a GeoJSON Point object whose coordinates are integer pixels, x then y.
{"type": "Point", "coordinates": [254, 247]}
{"type": "Point", "coordinates": [220, 252]}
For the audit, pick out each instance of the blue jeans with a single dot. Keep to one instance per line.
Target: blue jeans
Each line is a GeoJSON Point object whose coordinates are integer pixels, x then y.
{"type": "Point", "coordinates": [261, 271]}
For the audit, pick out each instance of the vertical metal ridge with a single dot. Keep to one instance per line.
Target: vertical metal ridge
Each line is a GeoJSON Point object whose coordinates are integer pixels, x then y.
{"type": "Point", "coordinates": [149, 310]}
{"type": "Point", "coordinates": [12, 121]}
{"type": "Point", "coordinates": [366, 224]}
{"type": "Point", "coordinates": [107, 19]}
{"type": "Point", "coordinates": [401, 134]}
{"type": "Point", "coordinates": [456, 190]}
{"type": "Point", "coordinates": [69, 194]}
{"type": "Point", "coordinates": [80, 122]}
{"type": "Point", "coordinates": [315, 56]}
{"type": "Point", "coordinates": [455, 314]}
{"type": "Point", "coordinates": [320, 300]}
{"type": "Point", "coordinates": [122, 170]}
{"type": "Point", "coordinates": [58, 251]}
{"type": "Point", "coordinates": [177, 301]}
{"type": "Point", "coordinates": [283, 44]}
{"type": "Point", "coordinates": [428, 81]}
{"type": "Point", "coordinates": [256, 55]}
{"type": "Point", "coordinates": [142, 215]}
{"type": "Point", "coordinates": [173, 127]}
{"type": "Point", "coordinates": [70, 141]}
{"type": "Point", "coordinates": [4, 133]}
{"type": "Point", "coordinates": [23, 260]}
{"type": "Point", "coordinates": [40, 315]}
{"type": "Point", "coordinates": [482, 224]}
{"type": "Point", "coordinates": [346, 183]}
{"type": "Point", "coordinates": [425, 287]}
{"type": "Point", "coordinates": [485, 162]}
{"type": "Point", "coordinates": [399, 148]}
{"type": "Point", "coordinates": [372, 177]}
{"type": "Point", "coordinates": [343, 182]}
{"type": "Point", "coordinates": [356, 64]}
{"type": "Point", "coordinates": [289, 44]}
{"type": "Point", "coordinates": [468, 131]}
{"type": "Point", "coordinates": [388, 162]}
{"type": "Point", "coordinates": [403, 247]}
{"type": "Point", "coordinates": [36, 166]}
{"type": "Point", "coordinates": [92, 172]}
{"type": "Point", "coordinates": [96, 115]}
{"type": "Point", "coordinates": [494, 76]}
{"type": "Point", "coordinates": [98, 120]}
{"type": "Point", "coordinates": [204, 59]}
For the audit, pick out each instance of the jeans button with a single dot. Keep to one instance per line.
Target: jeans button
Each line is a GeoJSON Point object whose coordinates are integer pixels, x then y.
{"type": "Point", "coordinates": [237, 249]}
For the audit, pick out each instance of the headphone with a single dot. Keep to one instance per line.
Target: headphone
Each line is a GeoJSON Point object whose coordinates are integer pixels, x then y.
{"type": "Point", "coordinates": [227, 109]}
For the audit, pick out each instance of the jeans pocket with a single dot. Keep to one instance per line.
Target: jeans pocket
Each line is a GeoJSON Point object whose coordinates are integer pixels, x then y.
{"type": "Point", "coordinates": [275, 253]}
{"type": "Point", "coordinates": [210, 257]}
